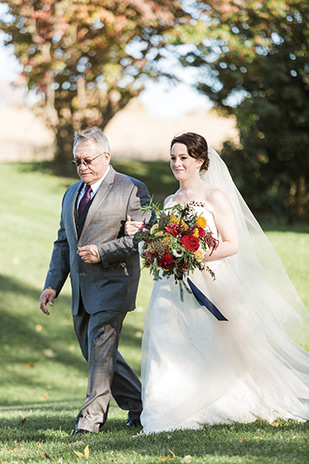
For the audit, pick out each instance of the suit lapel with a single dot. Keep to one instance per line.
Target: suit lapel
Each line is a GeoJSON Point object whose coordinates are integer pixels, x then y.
{"type": "Point", "coordinates": [98, 199]}
{"type": "Point", "coordinates": [72, 206]}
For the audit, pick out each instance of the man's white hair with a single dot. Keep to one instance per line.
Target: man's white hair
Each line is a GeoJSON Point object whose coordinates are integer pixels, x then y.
{"type": "Point", "coordinates": [94, 135]}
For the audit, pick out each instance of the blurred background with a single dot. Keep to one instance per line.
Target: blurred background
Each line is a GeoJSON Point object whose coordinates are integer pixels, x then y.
{"type": "Point", "coordinates": [235, 71]}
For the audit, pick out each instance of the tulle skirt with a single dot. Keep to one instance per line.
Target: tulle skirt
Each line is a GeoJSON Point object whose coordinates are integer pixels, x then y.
{"type": "Point", "coordinates": [199, 371]}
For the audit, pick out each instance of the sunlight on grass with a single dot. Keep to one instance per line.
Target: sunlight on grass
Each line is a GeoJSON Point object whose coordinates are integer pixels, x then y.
{"type": "Point", "coordinates": [43, 375]}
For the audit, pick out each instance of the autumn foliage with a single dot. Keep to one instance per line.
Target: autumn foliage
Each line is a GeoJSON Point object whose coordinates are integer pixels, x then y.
{"type": "Point", "coordinates": [252, 61]}
{"type": "Point", "coordinates": [86, 60]}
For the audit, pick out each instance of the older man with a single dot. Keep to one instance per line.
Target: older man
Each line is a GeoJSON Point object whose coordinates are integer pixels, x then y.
{"type": "Point", "coordinates": [103, 264]}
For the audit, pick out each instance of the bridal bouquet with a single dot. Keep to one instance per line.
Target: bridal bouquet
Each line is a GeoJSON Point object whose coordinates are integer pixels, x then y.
{"type": "Point", "coordinates": [177, 242]}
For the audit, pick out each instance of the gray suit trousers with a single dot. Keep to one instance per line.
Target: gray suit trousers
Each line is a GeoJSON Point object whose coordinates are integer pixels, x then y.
{"type": "Point", "coordinates": [108, 373]}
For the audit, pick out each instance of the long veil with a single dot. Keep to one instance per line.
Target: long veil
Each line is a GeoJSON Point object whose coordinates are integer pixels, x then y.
{"type": "Point", "coordinates": [197, 370]}
{"type": "Point", "coordinates": [257, 264]}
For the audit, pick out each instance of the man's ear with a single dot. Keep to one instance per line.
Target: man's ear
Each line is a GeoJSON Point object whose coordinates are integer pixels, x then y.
{"type": "Point", "coordinates": [107, 157]}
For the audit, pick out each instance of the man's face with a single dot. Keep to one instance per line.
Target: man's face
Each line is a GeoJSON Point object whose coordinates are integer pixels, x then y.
{"type": "Point", "coordinates": [93, 167]}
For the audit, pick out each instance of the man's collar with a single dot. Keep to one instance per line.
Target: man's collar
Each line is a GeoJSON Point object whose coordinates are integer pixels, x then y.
{"type": "Point", "coordinates": [95, 187]}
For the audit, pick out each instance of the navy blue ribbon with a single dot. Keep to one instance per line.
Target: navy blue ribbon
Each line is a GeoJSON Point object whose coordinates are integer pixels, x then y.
{"type": "Point", "coordinates": [204, 301]}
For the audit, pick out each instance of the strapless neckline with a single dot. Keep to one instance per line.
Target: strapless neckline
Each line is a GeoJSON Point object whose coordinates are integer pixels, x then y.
{"type": "Point", "coordinates": [189, 203]}
{"type": "Point", "coordinates": [195, 205]}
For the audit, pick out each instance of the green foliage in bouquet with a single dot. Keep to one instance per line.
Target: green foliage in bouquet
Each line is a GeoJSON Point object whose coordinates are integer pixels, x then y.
{"type": "Point", "coordinates": [177, 243]}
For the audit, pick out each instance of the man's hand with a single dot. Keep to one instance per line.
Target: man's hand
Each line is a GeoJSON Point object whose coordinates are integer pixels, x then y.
{"type": "Point", "coordinates": [89, 254]}
{"type": "Point", "coordinates": [47, 296]}
{"type": "Point", "coordinates": [132, 227]}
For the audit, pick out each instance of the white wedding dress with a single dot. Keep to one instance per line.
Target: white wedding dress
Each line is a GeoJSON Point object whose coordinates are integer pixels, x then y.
{"type": "Point", "coordinates": [199, 371]}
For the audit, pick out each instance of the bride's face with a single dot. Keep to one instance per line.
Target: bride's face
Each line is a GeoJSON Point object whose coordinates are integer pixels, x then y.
{"type": "Point", "coordinates": [182, 164]}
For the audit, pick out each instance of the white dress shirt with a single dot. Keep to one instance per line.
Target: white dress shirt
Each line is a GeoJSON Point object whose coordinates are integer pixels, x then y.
{"type": "Point", "coordinates": [94, 188]}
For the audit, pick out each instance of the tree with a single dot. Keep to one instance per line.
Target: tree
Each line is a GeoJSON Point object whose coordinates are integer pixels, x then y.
{"type": "Point", "coordinates": [86, 60]}
{"type": "Point", "coordinates": [252, 57]}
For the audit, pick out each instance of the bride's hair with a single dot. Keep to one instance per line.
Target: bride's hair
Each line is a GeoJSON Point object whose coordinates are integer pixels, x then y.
{"type": "Point", "coordinates": [196, 145]}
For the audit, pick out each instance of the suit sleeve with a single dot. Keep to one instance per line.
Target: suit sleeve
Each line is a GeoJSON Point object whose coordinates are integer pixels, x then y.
{"type": "Point", "coordinates": [59, 267]}
{"type": "Point", "coordinates": [116, 251]}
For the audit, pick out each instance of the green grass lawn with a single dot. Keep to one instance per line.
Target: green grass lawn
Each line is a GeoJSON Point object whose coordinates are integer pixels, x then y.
{"type": "Point", "coordinates": [42, 373]}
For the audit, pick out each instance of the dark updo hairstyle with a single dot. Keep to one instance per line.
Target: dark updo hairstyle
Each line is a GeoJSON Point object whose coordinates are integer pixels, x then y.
{"type": "Point", "coordinates": [196, 145]}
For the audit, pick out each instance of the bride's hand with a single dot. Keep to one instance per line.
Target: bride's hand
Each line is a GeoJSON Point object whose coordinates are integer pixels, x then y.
{"type": "Point", "coordinates": [132, 227]}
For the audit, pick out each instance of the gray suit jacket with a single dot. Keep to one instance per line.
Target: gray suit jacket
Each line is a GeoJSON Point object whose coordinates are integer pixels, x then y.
{"type": "Point", "coordinates": [111, 284]}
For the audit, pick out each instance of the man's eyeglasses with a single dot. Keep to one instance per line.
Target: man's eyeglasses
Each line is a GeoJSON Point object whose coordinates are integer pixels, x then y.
{"type": "Point", "coordinates": [86, 161]}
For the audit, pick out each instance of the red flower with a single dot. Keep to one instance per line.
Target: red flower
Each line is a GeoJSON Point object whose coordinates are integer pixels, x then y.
{"type": "Point", "coordinates": [212, 243]}
{"type": "Point", "coordinates": [149, 257]}
{"type": "Point", "coordinates": [190, 242]}
{"type": "Point", "coordinates": [172, 229]}
{"type": "Point", "coordinates": [184, 266]}
{"type": "Point", "coordinates": [166, 261]}
{"type": "Point", "coordinates": [201, 232]}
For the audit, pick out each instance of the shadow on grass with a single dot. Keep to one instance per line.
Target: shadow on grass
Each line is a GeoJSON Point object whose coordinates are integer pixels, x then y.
{"type": "Point", "coordinates": [130, 336]}
{"type": "Point", "coordinates": [50, 168]}
{"type": "Point", "coordinates": [298, 228]}
{"type": "Point", "coordinates": [19, 331]}
{"type": "Point", "coordinates": [155, 174]}
{"type": "Point", "coordinates": [158, 178]}
{"type": "Point", "coordinates": [27, 350]}
{"type": "Point", "coordinates": [234, 440]}
{"type": "Point", "coordinates": [253, 441]}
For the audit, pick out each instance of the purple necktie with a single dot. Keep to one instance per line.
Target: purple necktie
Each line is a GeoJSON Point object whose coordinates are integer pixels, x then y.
{"type": "Point", "coordinates": [85, 200]}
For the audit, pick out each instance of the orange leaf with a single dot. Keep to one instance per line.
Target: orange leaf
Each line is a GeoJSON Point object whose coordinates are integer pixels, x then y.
{"type": "Point", "coordinates": [173, 454]}
{"type": "Point", "coordinates": [44, 455]}
{"type": "Point", "coordinates": [44, 397]}
{"type": "Point", "coordinates": [29, 365]}
{"type": "Point", "coordinates": [166, 458]}
{"type": "Point", "coordinates": [275, 424]}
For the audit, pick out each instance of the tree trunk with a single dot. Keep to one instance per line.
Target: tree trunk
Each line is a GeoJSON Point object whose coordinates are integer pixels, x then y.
{"type": "Point", "coordinates": [64, 149]}
{"type": "Point", "coordinates": [301, 198]}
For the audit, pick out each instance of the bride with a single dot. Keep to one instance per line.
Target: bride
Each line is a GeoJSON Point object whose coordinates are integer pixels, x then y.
{"type": "Point", "coordinates": [197, 370]}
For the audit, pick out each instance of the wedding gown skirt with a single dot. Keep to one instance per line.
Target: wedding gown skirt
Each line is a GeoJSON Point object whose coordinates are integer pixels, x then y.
{"type": "Point", "coordinates": [199, 371]}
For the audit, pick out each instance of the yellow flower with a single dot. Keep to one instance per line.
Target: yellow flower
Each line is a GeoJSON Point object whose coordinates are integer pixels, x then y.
{"type": "Point", "coordinates": [195, 233]}
{"type": "Point", "coordinates": [154, 227]}
{"type": "Point", "coordinates": [173, 219]}
{"type": "Point", "coordinates": [201, 222]}
{"type": "Point", "coordinates": [184, 226]}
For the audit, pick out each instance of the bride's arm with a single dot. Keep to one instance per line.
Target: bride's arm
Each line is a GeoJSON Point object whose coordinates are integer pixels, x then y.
{"type": "Point", "coordinates": [226, 225]}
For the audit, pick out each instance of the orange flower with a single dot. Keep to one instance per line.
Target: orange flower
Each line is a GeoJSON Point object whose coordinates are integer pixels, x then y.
{"type": "Point", "coordinates": [199, 255]}
{"type": "Point", "coordinates": [179, 222]}
{"type": "Point", "coordinates": [201, 222]}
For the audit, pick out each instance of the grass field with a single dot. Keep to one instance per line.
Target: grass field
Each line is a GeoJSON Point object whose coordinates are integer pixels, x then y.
{"type": "Point", "coordinates": [43, 375]}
